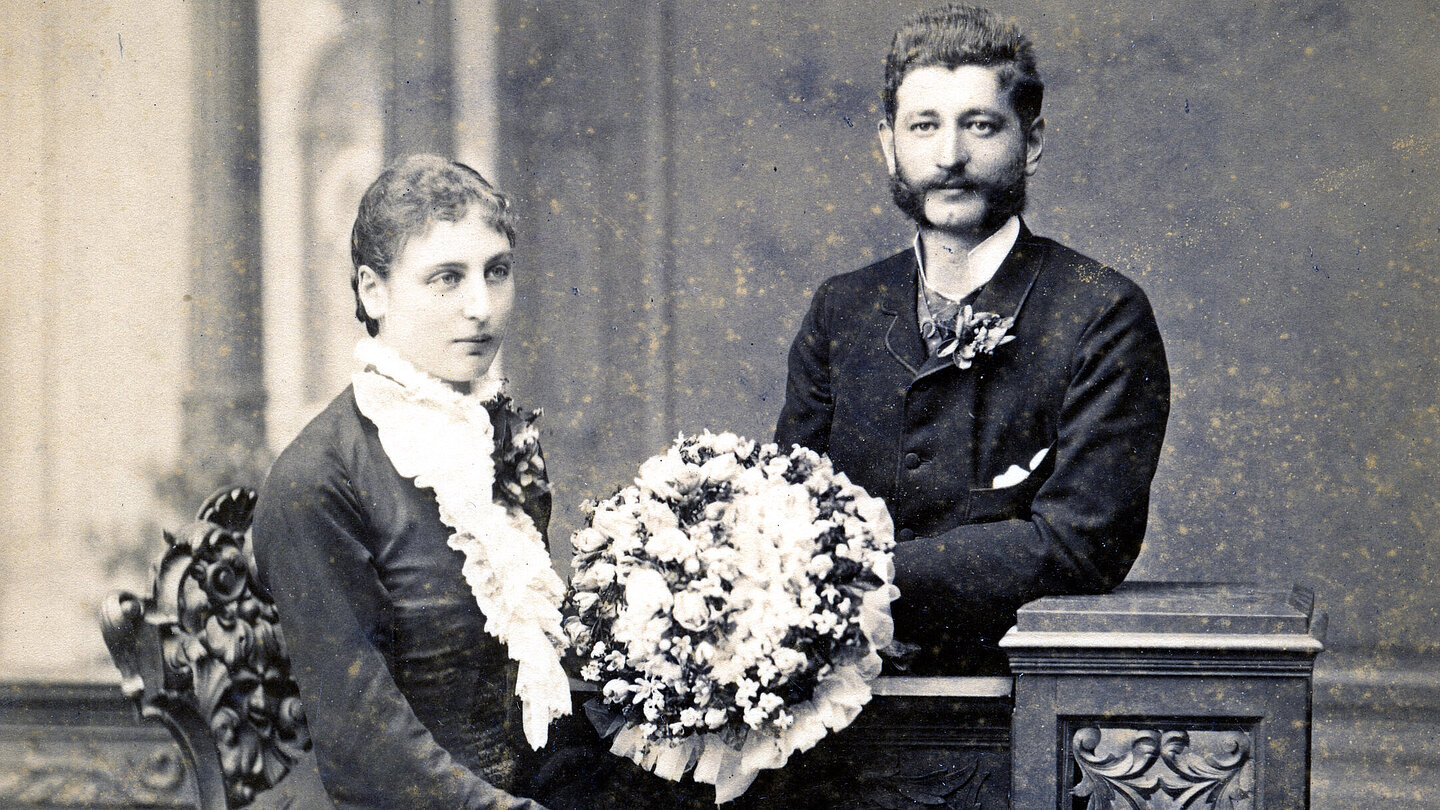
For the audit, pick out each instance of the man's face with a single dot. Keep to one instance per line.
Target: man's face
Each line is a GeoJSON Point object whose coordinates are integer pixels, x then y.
{"type": "Point", "coordinates": [957, 152]}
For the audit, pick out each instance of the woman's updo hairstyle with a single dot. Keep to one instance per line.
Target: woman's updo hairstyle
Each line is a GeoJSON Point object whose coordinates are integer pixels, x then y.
{"type": "Point", "coordinates": [411, 195]}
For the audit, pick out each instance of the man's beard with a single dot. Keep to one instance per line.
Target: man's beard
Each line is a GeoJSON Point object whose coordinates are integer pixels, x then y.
{"type": "Point", "coordinates": [1002, 200]}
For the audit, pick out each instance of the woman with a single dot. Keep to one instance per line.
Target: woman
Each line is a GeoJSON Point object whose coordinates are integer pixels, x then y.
{"type": "Point", "coordinates": [401, 534]}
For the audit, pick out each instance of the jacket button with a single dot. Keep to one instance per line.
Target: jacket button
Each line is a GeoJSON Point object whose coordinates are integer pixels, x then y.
{"type": "Point", "coordinates": [912, 461]}
{"type": "Point", "coordinates": [905, 535]}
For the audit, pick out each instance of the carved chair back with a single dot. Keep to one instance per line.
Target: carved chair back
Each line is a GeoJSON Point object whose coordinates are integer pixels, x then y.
{"type": "Point", "coordinates": [204, 655]}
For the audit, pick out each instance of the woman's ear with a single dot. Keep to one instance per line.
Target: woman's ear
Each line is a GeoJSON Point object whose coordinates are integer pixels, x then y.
{"type": "Point", "coordinates": [374, 295]}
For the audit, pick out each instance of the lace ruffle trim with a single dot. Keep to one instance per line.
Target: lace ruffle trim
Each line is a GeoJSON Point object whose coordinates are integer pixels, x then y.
{"type": "Point", "coordinates": [444, 441]}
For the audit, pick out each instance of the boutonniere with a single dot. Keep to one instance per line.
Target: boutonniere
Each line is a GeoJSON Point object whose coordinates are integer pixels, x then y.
{"type": "Point", "coordinates": [976, 333]}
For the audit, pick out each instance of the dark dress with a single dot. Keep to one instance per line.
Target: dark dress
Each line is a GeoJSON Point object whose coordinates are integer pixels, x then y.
{"type": "Point", "coordinates": [410, 702]}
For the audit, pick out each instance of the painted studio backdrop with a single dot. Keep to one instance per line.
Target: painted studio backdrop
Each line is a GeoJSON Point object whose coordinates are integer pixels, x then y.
{"type": "Point", "coordinates": [181, 178]}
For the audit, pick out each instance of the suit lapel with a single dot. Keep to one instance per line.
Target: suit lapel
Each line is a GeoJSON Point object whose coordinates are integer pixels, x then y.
{"type": "Point", "coordinates": [1006, 292]}
{"type": "Point", "coordinates": [902, 337]}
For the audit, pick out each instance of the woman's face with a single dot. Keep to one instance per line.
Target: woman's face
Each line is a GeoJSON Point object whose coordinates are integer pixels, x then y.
{"type": "Point", "coordinates": [446, 302]}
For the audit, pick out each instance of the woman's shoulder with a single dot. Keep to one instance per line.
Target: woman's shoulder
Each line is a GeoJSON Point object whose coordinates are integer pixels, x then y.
{"type": "Point", "coordinates": [326, 449]}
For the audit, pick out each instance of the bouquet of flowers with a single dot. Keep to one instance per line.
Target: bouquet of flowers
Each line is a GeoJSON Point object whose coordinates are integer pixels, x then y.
{"type": "Point", "coordinates": [731, 603]}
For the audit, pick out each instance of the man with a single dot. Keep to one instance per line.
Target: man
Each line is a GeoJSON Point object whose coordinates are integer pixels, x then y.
{"type": "Point", "coordinates": [1005, 395]}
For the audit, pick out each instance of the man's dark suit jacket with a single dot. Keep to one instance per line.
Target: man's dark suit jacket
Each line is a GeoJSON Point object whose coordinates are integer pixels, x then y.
{"type": "Point", "coordinates": [1085, 378]}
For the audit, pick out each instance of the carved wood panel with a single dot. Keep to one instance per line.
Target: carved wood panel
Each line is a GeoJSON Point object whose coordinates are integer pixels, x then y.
{"type": "Point", "coordinates": [1160, 766]}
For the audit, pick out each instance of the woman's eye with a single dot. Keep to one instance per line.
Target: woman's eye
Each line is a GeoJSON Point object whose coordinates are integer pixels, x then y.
{"type": "Point", "coordinates": [497, 272]}
{"type": "Point", "coordinates": [449, 278]}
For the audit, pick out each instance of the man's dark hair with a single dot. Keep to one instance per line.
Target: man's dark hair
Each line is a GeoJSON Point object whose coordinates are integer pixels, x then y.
{"type": "Point", "coordinates": [409, 196]}
{"type": "Point", "coordinates": [955, 35]}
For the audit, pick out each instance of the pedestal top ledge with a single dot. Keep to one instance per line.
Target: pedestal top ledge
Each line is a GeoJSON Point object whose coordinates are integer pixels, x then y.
{"type": "Point", "coordinates": [1171, 615]}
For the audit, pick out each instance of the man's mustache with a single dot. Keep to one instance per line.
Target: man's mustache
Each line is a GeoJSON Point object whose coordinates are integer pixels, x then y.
{"type": "Point", "coordinates": [947, 183]}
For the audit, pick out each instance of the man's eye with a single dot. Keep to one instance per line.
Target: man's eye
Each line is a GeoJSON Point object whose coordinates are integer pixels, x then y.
{"type": "Point", "coordinates": [923, 126]}
{"type": "Point", "coordinates": [982, 127]}
{"type": "Point", "coordinates": [497, 272]}
{"type": "Point", "coordinates": [449, 278]}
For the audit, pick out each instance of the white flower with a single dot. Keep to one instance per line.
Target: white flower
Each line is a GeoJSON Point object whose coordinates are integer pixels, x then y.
{"type": "Point", "coordinates": [754, 717]}
{"type": "Point", "coordinates": [646, 593]}
{"type": "Point", "coordinates": [824, 622]}
{"type": "Point", "coordinates": [646, 689]}
{"type": "Point", "coordinates": [660, 474]}
{"type": "Point", "coordinates": [682, 648]}
{"type": "Point", "coordinates": [745, 691]}
{"type": "Point", "coordinates": [769, 702]}
{"type": "Point", "coordinates": [722, 468]}
{"type": "Point", "coordinates": [663, 670]}
{"type": "Point", "coordinates": [576, 631]}
{"type": "Point", "coordinates": [820, 566]}
{"type": "Point", "coordinates": [726, 442]}
{"type": "Point", "coordinates": [669, 545]}
{"type": "Point", "coordinates": [584, 600]}
{"type": "Point", "coordinates": [657, 515]}
{"type": "Point", "coordinates": [704, 653]}
{"type": "Point", "coordinates": [596, 576]}
{"type": "Point", "coordinates": [873, 511]}
{"type": "Point", "coordinates": [714, 718]}
{"type": "Point", "coordinates": [789, 661]}
{"type": "Point", "coordinates": [615, 524]}
{"type": "Point", "coordinates": [588, 540]}
{"type": "Point", "coordinates": [702, 691]}
{"type": "Point", "coordinates": [854, 528]}
{"type": "Point", "coordinates": [590, 672]}
{"type": "Point", "coordinates": [691, 717]}
{"type": "Point", "coordinates": [614, 689]}
{"type": "Point", "coordinates": [720, 561]}
{"type": "Point", "coordinates": [691, 611]}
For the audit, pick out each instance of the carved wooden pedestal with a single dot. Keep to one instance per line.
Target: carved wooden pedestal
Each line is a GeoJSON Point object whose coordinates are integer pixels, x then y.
{"type": "Point", "coordinates": [1164, 696]}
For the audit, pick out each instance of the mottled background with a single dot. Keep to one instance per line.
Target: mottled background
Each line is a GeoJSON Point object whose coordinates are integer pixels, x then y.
{"type": "Point", "coordinates": [1267, 172]}
{"type": "Point", "coordinates": [687, 173]}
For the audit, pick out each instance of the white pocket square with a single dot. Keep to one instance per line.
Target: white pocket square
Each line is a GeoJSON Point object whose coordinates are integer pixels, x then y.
{"type": "Point", "coordinates": [1016, 473]}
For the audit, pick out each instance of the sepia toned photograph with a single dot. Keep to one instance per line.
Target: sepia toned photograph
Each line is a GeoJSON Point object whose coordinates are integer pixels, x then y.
{"type": "Point", "coordinates": [655, 403]}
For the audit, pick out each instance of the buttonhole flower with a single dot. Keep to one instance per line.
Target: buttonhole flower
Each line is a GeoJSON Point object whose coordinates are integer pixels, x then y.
{"type": "Point", "coordinates": [976, 333]}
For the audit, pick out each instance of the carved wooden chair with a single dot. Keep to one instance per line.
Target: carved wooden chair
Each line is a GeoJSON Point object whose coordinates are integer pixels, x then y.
{"type": "Point", "coordinates": [205, 656]}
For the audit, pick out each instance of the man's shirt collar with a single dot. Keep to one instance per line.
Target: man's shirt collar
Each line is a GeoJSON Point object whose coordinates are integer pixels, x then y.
{"type": "Point", "coordinates": [985, 258]}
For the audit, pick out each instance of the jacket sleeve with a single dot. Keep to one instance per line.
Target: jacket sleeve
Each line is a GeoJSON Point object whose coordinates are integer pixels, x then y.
{"type": "Point", "coordinates": [371, 749]}
{"type": "Point", "coordinates": [809, 404]}
{"type": "Point", "coordinates": [1086, 520]}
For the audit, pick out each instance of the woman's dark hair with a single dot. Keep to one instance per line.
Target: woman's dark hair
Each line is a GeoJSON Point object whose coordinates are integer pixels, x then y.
{"type": "Point", "coordinates": [955, 35]}
{"type": "Point", "coordinates": [412, 194]}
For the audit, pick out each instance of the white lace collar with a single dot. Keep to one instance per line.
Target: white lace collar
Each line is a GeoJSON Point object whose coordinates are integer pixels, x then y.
{"type": "Point", "coordinates": [444, 441]}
